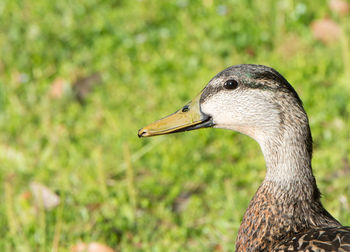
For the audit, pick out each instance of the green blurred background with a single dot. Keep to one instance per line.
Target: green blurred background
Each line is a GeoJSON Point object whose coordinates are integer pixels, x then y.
{"type": "Point", "coordinates": [79, 78]}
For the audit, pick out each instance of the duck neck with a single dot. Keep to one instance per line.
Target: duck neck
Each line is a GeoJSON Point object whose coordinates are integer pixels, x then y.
{"type": "Point", "coordinates": [288, 201]}
{"type": "Point", "coordinates": [288, 156]}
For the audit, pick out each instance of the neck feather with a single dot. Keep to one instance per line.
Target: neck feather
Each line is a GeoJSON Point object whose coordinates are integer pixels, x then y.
{"type": "Point", "coordinates": [288, 201]}
{"type": "Point", "coordinates": [288, 154]}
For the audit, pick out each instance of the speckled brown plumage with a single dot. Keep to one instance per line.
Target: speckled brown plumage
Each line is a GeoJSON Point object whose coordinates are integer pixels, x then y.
{"type": "Point", "coordinates": [321, 239]}
{"type": "Point", "coordinates": [274, 220]}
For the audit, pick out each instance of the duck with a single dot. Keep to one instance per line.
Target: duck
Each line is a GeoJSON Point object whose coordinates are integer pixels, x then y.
{"type": "Point", "coordinates": [286, 213]}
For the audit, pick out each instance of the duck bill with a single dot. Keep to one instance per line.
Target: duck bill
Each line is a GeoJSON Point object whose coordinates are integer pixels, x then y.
{"type": "Point", "coordinates": [190, 117]}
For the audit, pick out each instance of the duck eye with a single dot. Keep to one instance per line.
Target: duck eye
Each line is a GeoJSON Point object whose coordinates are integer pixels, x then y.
{"type": "Point", "coordinates": [231, 84]}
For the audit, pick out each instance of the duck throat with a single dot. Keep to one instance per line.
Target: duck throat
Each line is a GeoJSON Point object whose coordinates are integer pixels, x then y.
{"type": "Point", "coordinates": [288, 201]}
{"type": "Point", "coordinates": [288, 155]}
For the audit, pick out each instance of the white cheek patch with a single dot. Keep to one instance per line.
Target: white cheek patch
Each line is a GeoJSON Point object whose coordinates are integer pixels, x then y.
{"type": "Point", "coordinates": [244, 111]}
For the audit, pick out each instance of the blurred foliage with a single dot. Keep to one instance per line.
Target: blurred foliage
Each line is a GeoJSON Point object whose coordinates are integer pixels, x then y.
{"type": "Point", "coordinates": [185, 192]}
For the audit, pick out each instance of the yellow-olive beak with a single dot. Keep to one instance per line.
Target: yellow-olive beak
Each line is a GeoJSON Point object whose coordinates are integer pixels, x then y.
{"type": "Point", "coordinates": [190, 117]}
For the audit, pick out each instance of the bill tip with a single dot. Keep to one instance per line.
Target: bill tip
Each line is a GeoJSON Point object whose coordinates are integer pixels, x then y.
{"type": "Point", "coordinates": [141, 133]}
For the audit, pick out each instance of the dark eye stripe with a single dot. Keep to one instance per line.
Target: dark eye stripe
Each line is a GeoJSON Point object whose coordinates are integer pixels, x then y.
{"type": "Point", "coordinates": [211, 90]}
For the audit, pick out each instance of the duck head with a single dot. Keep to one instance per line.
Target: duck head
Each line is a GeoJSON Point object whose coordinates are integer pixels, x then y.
{"type": "Point", "coordinates": [252, 99]}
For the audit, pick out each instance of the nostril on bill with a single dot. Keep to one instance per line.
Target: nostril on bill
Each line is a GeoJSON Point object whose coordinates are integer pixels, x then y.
{"type": "Point", "coordinates": [185, 108]}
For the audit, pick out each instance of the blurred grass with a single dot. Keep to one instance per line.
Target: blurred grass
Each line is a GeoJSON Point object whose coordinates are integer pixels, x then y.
{"type": "Point", "coordinates": [184, 192]}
